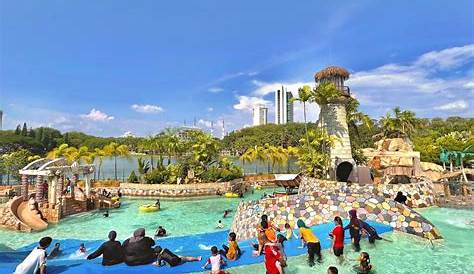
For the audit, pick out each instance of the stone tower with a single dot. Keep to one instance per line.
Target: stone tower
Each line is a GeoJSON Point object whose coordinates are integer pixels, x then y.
{"type": "Point", "coordinates": [332, 117]}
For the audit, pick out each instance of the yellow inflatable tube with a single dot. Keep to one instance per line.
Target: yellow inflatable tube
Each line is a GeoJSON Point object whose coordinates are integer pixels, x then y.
{"type": "Point", "coordinates": [148, 208]}
{"type": "Point", "coordinates": [231, 195]}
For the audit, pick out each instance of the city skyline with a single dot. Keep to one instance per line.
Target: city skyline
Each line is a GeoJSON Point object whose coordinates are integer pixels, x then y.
{"type": "Point", "coordinates": [141, 68]}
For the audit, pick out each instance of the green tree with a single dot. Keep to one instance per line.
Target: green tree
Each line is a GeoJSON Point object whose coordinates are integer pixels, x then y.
{"type": "Point", "coordinates": [18, 130]}
{"type": "Point", "coordinates": [15, 161]}
{"type": "Point", "coordinates": [312, 159]}
{"type": "Point", "coordinates": [304, 96]}
{"type": "Point", "coordinates": [24, 130]}
{"type": "Point", "coordinates": [115, 150]}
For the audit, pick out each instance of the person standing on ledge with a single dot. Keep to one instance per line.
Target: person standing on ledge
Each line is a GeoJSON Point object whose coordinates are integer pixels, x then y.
{"type": "Point", "coordinates": [35, 262]}
{"type": "Point", "coordinates": [111, 251]}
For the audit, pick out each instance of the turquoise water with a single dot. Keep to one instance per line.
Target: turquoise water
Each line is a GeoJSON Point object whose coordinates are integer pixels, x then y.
{"type": "Point", "coordinates": [405, 254]}
{"type": "Point", "coordinates": [182, 217]}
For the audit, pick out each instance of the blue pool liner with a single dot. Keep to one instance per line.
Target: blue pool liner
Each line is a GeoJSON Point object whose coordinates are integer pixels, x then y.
{"type": "Point", "coordinates": [190, 245]}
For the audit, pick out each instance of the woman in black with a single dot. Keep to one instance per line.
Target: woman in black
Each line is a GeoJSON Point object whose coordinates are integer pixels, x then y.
{"type": "Point", "coordinates": [139, 249]}
{"type": "Point", "coordinates": [354, 229]}
{"type": "Point", "coordinates": [111, 250]}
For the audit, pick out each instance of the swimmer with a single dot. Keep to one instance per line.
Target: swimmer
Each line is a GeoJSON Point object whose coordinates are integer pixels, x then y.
{"type": "Point", "coordinates": [226, 213]}
{"type": "Point", "coordinates": [219, 225]}
{"type": "Point", "coordinates": [56, 252]}
{"type": "Point", "coordinates": [332, 270]}
{"type": "Point", "coordinates": [106, 214]}
{"type": "Point", "coordinates": [160, 232]}
{"type": "Point", "coordinates": [157, 203]}
{"type": "Point", "coordinates": [364, 266]}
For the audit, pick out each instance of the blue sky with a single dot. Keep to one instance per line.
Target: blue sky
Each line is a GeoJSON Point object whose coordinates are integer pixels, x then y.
{"type": "Point", "coordinates": [110, 67]}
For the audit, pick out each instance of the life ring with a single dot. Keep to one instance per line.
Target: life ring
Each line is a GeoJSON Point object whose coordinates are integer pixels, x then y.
{"type": "Point", "coordinates": [148, 208]}
{"type": "Point", "coordinates": [231, 195]}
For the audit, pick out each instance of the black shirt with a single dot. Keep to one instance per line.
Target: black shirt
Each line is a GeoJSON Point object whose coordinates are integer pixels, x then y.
{"type": "Point", "coordinates": [112, 252]}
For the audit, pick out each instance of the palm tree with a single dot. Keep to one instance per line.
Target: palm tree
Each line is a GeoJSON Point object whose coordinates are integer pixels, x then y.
{"type": "Point", "coordinates": [247, 157]}
{"type": "Point", "coordinates": [100, 154]}
{"type": "Point", "coordinates": [115, 150]}
{"type": "Point", "coordinates": [291, 152]}
{"type": "Point", "coordinates": [304, 95]}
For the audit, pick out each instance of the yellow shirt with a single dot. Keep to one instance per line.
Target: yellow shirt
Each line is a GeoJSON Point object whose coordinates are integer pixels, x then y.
{"type": "Point", "coordinates": [232, 253]}
{"type": "Point", "coordinates": [308, 235]}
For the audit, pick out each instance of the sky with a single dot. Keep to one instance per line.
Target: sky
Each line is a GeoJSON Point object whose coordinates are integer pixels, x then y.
{"type": "Point", "coordinates": [115, 67]}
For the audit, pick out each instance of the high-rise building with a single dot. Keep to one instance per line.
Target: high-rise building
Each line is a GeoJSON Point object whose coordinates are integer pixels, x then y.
{"type": "Point", "coordinates": [283, 106]}
{"type": "Point", "coordinates": [260, 115]}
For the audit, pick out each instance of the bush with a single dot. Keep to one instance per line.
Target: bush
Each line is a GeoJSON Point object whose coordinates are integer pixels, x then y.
{"type": "Point", "coordinates": [133, 177]}
{"type": "Point", "coordinates": [215, 174]}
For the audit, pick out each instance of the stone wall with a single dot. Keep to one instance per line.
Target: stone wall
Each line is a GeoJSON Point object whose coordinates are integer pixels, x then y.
{"type": "Point", "coordinates": [178, 191]}
{"type": "Point", "coordinates": [322, 205]}
{"type": "Point", "coordinates": [8, 219]}
{"type": "Point", "coordinates": [420, 194]}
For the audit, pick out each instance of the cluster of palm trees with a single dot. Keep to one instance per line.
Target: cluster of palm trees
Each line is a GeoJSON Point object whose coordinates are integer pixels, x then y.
{"type": "Point", "coordinates": [270, 155]}
{"type": "Point", "coordinates": [84, 155]}
{"type": "Point", "coordinates": [401, 125]}
{"type": "Point", "coordinates": [165, 144]}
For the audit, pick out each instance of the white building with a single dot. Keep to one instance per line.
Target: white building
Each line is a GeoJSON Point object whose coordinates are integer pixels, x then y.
{"type": "Point", "coordinates": [283, 106]}
{"type": "Point", "coordinates": [260, 115]}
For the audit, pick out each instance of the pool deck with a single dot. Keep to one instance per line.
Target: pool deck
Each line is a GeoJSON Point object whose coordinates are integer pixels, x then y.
{"type": "Point", "coordinates": [192, 245]}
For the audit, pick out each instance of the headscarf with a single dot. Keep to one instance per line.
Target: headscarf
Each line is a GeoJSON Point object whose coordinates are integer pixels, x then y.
{"type": "Point", "coordinates": [137, 235]}
{"type": "Point", "coordinates": [112, 235]}
{"type": "Point", "coordinates": [300, 223]}
{"type": "Point", "coordinates": [353, 213]}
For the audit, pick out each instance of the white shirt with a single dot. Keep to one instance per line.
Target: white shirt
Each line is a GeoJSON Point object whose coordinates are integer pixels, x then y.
{"type": "Point", "coordinates": [32, 262]}
{"type": "Point", "coordinates": [215, 262]}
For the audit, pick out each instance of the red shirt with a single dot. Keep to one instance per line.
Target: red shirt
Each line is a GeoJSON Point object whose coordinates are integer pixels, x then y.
{"type": "Point", "coordinates": [272, 255]}
{"type": "Point", "coordinates": [338, 234]}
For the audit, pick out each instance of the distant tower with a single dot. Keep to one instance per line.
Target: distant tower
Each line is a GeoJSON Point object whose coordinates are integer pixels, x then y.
{"type": "Point", "coordinates": [223, 129]}
{"type": "Point", "coordinates": [1, 120]}
{"type": "Point", "coordinates": [283, 106]}
{"type": "Point", "coordinates": [333, 118]}
{"type": "Point", "coordinates": [212, 128]}
{"type": "Point", "coordinates": [260, 115]}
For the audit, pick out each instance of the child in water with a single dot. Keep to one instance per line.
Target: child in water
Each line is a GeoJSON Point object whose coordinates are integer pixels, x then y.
{"type": "Point", "coordinates": [364, 266]}
{"type": "Point", "coordinates": [289, 231]}
{"type": "Point", "coordinates": [231, 252]}
{"type": "Point", "coordinates": [219, 225]}
{"type": "Point", "coordinates": [332, 270]}
{"type": "Point", "coordinates": [82, 251]}
{"type": "Point", "coordinates": [215, 261]}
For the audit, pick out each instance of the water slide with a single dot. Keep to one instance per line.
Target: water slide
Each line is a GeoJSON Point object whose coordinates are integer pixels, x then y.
{"type": "Point", "coordinates": [30, 216]}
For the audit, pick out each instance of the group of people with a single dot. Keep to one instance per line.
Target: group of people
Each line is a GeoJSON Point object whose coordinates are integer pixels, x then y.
{"type": "Point", "coordinates": [271, 243]}
{"type": "Point", "coordinates": [140, 249]}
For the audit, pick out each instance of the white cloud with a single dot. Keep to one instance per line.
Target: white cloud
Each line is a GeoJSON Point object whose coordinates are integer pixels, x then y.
{"type": "Point", "coordinates": [246, 103]}
{"type": "Point", "coordinates": [453, 106]}
{"type": "Point", "coordinates": [96, 115]}
{"type": "Point", "coordinates": [128, 134]}
{"type": "Point", "coordinates": [447, 58]}
{"type": "Point", "coordinates": [147, 108]}
{"type": "Point", "coordinates": [210, 109]}
{"type": "Point", "coordinates": [215, 89]}
{"type": "Point", "coordinates": [264, 88]}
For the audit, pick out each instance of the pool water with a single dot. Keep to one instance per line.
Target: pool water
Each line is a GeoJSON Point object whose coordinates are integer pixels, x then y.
{"type": "Point", "coordinates": [405, 253]}
{"type": "Point", "coordinates": [178, 217]}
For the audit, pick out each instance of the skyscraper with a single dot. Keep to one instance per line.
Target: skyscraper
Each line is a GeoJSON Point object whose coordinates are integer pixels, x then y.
{"type": "Point", "coordinates": [283, 106]}
{"type": "Point", "coordinates": [260, 113]}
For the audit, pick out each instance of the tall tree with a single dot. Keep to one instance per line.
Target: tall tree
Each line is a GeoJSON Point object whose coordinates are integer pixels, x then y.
{"type": "Point", "coordinates": [24, 130]}
{"type": "Point", "coordinates": [115, 150]}
{"type": "Point", "coordinates": [18, 130]}
{"type": "Point", "coordinates": [304, 96]}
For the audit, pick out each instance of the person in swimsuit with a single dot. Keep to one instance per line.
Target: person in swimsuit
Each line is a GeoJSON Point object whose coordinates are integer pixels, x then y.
{"type": "Point", "coordinates": [160, 232]}
{"type": "Point", "coordinates": [56, 252]}
{"type": "Point", "coordinates": [216, 261]}
{"type": "Point", "coordinates": [364, 266]}
{"type": "Point", "coordinates": [332, 270]}
{"type": "Point", "coordinates": [338, 238]}
{"type": "Point", "coordinates": [231, 252]}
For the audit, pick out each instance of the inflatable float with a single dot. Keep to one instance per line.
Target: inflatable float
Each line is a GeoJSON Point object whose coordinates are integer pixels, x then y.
{"type": "Point", "coordinates": [148, 208]}
{"type": "Point", "coordinates": [231, 195]}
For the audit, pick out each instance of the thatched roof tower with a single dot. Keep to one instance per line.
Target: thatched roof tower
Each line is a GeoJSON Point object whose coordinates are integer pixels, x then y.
{"type": "Point", "coordinates": [331, 72]}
